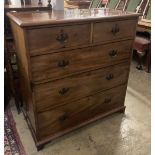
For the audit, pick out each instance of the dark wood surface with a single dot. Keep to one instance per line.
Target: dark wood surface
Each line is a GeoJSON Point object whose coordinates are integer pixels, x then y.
{"type": "Point", "coordinates": [75, 15]}
{"type": "Point", "coordinates": [60, 37]}
{"type": "Point", "coordinates": [24, 70]}
{"type": "Point", "coordinates": [52, 94]}
{"type": "Point", "coordinates": [79, 60]}
{"type": "Point", "coordinates": [65, 87]}
{"type": "Point", "coordinates": [71, 114]}
{"type": "Point", "coordinates": [110, 31]}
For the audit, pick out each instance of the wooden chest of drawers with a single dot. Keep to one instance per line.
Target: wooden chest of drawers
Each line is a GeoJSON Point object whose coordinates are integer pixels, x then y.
{"type": "Point", "coordinates": [74, 67]}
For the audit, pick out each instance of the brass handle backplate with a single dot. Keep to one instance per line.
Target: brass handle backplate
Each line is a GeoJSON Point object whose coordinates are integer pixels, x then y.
{"type": "Point", "coordinates": [63, 63]}
{"type": "Point", "coordinates": [107, 100]}
{"type": "Point", "coordinates": [110, 77]}
{"type": "Point", "coordinates": [63, 117]}
{"type": "Point", "coordinates": [115, 29]}
{"type": "Point", "coordinates": [62, 37]}
{"type": "Point", "coordinates": [63, 91]}
{"type": "Point", "coordinates": [113, 53]}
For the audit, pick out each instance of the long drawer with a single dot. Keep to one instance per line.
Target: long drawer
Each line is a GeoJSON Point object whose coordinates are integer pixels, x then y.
{"type": "Point", "coordinates": [57, 65]}
{"type": "Point", "coordinates": [112, 31]}
{"type": "Point", "coordinates": [58, 37]}
{"type": "Point", "coordinates": [72, 114]}
{"type": "Point", "coordinates": [55, 93]}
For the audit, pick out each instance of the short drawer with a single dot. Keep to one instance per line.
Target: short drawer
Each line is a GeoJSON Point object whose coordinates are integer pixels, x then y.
{"type": "Point", "coordinates": [58, 65]}
{"type": "Point", "coordinates": [55, 38]}
{"type": "Point", "coordinates": [111, 31]}
{"type": "Point", "coordinates": [72, 114]}
{"type": "Point", "coordinates": [55, 93]}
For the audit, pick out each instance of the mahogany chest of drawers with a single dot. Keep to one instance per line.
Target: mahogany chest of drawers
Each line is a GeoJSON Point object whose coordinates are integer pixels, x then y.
{"type": "Point", "coordinates": [74, 67]}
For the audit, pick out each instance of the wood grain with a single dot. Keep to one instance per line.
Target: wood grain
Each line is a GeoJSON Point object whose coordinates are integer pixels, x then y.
{"type": "Point", "coordinates": [70, 36]}
{"type": "Point", "coordinates": [110, 31]}
{"type": "Point", "coordinates": [23, 65]}
{"type": "Point", "coordinates": [56, 93]}
{"type": "Point", "coordinates": [46, 67]}
{"type": "Point", "coordinates": [71, 114]}
{"type": "Point", "coordinates": [31, 18]}
{"type": "Point", "coordinates": [48, 139]}
{"type": "Point", "coordinates": [74, 66]}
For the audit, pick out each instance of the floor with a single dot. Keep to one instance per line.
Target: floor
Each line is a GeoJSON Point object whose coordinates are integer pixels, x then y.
{"type": "Point", "coordinates": [118, 134]}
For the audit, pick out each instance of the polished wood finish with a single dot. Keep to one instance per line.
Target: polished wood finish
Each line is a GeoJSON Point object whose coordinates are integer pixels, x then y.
{"type": "Point", "coordinates": [52, 94]}
{"type": "Point", "coordinates": [71, 114]}
{"type": "Point", "coordinates": [79, 60]}
{"type": "Point", "coordinates": [23, 63]}
{"type": "Point", "coordinates": [26, 19]}
{"type": "Point", "coordinates": [57, 37]}
{"type": "Point", "coordinates": [66, 87]}
{"type": "Point", "coordinates": [111, 31]}
{"type": "Point", "coordinates": [120, 109]}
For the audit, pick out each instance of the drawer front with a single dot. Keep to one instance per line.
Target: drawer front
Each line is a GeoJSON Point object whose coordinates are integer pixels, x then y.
{"type": "Point", "coordinates": [69, 89]}
{"type": "Point", "coordinates": [55, 38]}
{"type": "Point", "coordinates": [57, 65]}
{"type": "Point", "coordinates": [111, 31]}
{"type": "Point", "coordinates": [72, 114]}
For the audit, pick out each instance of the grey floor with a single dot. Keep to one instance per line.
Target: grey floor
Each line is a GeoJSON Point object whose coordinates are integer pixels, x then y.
{"type": "Point", "coordinates": [118, 134]}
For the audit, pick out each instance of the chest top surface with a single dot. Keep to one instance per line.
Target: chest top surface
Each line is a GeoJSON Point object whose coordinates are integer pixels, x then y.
{"type": "Point", "coordinates": [33, 18]}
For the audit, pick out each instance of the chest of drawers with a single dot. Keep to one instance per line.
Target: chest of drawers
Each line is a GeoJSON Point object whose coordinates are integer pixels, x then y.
{"type": "Point", "coordinates": [74, 67]}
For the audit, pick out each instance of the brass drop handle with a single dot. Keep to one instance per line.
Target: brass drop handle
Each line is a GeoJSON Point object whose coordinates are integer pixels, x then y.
{"type": "Point", "coordinates": [115, 29]}
{"type": "Point", "coordinates": [62, 37]}
{"type": "Point", "coordinates": [107, 100]}
{"type": "Point", "coordinates": [113, 53]}
{"type": "Point", "coordinates": [63, 91]}
{"type": "Point", "coordinates": [63, 117]}
{"type": "Point", "coordinates": [110, 77]}
{"type": "Point", "coordinates": [63, 63]}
